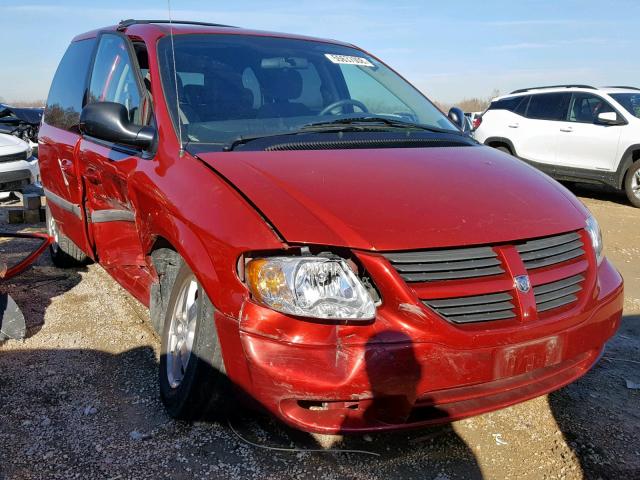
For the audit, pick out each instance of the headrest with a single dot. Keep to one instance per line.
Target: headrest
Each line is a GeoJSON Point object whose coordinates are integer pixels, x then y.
{"type": "Point", "coordinates": [193, 89]}
{"type": "Point", "coordinates": [282, 84]}
{"type": "Point", "coordinates": [180, 84]}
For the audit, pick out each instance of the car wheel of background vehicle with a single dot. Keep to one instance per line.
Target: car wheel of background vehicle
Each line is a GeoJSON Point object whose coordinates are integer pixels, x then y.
{"type": "Point", "coordinates": [64, 253]}
{"type": "Point", "coordinates": [504, 149]}
{"type": "Point", "coordinates": [193, 379]}
{"type": "Point", "coordinates": [632, 184]}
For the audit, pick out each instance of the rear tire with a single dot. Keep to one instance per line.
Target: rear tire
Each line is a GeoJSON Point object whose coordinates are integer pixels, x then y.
{"type": "Point", "coordinates": [632, 184]}
{"type": "Point", "coordinates": [195, 385]}
{"type": "Point", "coordinates": [504, 149]}
{"type": "Point", "coordinates": [64, 253]}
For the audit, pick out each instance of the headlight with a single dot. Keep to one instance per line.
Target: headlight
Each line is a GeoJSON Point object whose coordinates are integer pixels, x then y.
{"type": "Point", "coordinates": [310, 287]}
{"type": "Point", "coordinates": [593, 229]}
{"type": "Point", "coordinates": [29, 152]}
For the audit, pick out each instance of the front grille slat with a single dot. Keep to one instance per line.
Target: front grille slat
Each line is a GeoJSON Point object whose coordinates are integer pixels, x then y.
{"type": "Point", "coordinates": [559, 302]}
{"type": "Point", "coordinates": [490, 307]}
{"type": "Point", "coordinates": [547, 242]}
{"type": "Point", "coordinates": [557, 294]}
{"type": "Point", "coordinates": [443, 266]}
{"type": "Point", "coordinates": [478, 308]}
{"type": "Point", "coordinates": [483, 317]}
{"type": "Point", "coordinates": [451, 275]}
{"type": "Point", "coordinates": [549, 252]}
{"type": "Point", "coordinates": [452, 264]}
{"type": "Point", "coordinates": [545, 262]}
{"type": "Point", "coordinates": [550, 287]}
{"type": "Point", "coordinates": [456, 254]}
{"type": "Point", "coordinates": [462, 301]}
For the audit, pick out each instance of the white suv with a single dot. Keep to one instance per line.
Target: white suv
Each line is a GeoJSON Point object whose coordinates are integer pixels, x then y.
{"type": "Point", "coordinates": [18, 167]}
{"type": "Point", "coordinates": [571, 132]}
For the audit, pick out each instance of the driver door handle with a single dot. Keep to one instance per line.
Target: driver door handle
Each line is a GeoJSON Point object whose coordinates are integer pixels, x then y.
{"type": "Point", "coordinates": [514, 125]}
{"type": "Point", "coordinates": [566, 129]}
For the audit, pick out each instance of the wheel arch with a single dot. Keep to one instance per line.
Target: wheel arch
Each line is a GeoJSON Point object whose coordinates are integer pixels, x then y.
{"type": "Point", "coordinates": [184, 244]}
{"type": "Point", "coordinates": [501, 142]}
{"type": "Point", "coordinates": [630, 156]}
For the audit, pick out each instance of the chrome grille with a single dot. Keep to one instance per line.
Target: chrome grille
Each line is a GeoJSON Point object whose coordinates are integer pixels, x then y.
{"type": "Point", "coordinates": [453, 264]}
{"type": "Point", "coordinates": [557, 294]}
{"type": "Point", "coordinates": [479, 308]}
{"type": "Point", "coordinates": [551, 250]}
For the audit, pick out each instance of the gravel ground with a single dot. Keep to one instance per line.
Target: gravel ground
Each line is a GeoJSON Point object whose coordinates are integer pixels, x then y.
{"type": "Point", "coordinates": [78, 399]}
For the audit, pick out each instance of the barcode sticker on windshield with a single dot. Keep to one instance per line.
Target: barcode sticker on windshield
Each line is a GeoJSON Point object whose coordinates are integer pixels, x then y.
{"type": "Point", "coordinates": [348, 60]}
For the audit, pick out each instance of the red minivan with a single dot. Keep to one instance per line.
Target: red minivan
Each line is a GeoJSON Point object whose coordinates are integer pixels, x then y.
{"type": "Point", "coordinates": [311, 233]}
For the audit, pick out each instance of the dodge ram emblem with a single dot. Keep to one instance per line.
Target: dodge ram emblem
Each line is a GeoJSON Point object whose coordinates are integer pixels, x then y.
{"type": "Point", "coordinates": [523, 283]}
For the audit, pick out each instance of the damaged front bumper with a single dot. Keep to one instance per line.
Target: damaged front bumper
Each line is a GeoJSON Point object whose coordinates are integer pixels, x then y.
{"type": "Point", "coordinates": [345, 378]}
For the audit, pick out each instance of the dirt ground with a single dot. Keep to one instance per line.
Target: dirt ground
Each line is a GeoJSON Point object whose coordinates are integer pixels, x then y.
{"type": "Point", "coordinates": [79, 399]}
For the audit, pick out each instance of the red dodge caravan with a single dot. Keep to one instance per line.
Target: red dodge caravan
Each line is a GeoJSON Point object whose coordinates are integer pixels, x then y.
{"type": "Point", "coordinates": [310, 232]}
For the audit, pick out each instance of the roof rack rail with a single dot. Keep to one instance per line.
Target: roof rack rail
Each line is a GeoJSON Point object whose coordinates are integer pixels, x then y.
{"type": "Point", "coordinates": [521, 90]}
{"type": "Point", "coordinates": [621, 86]}
{"type": "Point", "coordinates": [130, 21]}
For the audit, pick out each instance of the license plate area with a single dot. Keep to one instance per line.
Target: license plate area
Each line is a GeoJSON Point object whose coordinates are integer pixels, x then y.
{"type": "Point", "coordinates": [527, 357]}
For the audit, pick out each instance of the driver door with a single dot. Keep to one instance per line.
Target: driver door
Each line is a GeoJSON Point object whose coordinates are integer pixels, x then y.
{"type": "Point", "coordinates": [582, 142]}
{"type": "Point", "coordinates": [107, 167]}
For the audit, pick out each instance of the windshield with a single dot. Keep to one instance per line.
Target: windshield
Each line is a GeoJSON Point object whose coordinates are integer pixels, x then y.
{"type": "Point", "coordinates": [232, 85]}
{"type": "Point", "coordinates": [630, 101]}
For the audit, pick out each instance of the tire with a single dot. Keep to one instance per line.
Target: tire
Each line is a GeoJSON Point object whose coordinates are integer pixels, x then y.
{"type": "Point", "coordinates": [201, 389]}
{"type": "Point", "coordinates": [504, 149]}
{"type": "Point", "coordinates": [632, 184]}
{"type": "Point", "coordinates": [64, 253]}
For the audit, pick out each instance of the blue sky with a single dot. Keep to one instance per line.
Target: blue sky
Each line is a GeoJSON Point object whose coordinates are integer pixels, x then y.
{"type": "Point", "coordinates": [450, 49]}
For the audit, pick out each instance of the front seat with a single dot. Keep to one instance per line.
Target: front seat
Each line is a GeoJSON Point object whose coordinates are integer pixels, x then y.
{"type": "Point", "coordinates": [186, 111]}
{"type": "Point", "coordinates": [280, 87]}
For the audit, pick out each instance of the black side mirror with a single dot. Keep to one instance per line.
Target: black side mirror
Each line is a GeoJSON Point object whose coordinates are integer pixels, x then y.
{"type": "Point", "coordinates": [110, 121]}
{"type": "Point", "coordinates": [456, 115]}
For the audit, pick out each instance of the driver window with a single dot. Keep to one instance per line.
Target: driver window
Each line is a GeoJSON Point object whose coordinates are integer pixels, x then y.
{"type": "Point", "coordinates": [586, 107]}
{"type": "Point", "coordinates": [113, 78]}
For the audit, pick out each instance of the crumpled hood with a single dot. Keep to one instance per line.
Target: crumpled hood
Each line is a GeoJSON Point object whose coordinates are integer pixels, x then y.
{"type": "Point", "coordinates": [400, 199]}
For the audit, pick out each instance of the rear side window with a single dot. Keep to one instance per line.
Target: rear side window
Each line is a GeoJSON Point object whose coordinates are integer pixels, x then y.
{"type": "Point", "coordinates": [64, 103]}
{"type": "Point", "coordinates": [549, 106]}
{"type": "Point", "coordinates": [513, 104]}
{"type": "Point", "coordinates": [114, 77]}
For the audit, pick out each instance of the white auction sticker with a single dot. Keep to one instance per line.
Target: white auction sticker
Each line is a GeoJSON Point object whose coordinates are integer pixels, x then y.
{"type": "Point", "coordinates": [348, 60]}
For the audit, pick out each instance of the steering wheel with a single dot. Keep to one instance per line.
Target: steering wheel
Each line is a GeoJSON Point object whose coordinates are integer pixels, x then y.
{"type": "Point", "coordinates": [342, 104]}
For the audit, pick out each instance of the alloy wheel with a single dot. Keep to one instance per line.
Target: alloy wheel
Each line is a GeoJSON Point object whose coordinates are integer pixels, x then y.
{"type": "Point", "coordinates": [635, 184]}
{"type": "Point", "coordinates": [182, 331]}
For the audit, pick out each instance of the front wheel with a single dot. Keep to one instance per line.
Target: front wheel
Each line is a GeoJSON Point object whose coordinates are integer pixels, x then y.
{"type": "Point", "coordinates": [192, 374]}
{"type": "Point", "coordinates": [632, 184]}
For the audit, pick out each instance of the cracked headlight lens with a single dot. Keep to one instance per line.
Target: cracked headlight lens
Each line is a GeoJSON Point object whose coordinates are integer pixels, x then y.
{"type": "Point", "coordinates": [315, 287]}
{"type": "Point", "coordinates": [593, 229]}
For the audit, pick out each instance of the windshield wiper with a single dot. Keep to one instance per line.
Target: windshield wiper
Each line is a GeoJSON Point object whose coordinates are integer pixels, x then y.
{"type": "Point", "coordinates": [242, 139]}
{"type": "Point", "coordinates": [352, 124]}
{"type": "Point", "coordinates": [354, 121]}
{"type": "Point", "coordinates": [312, 128]}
